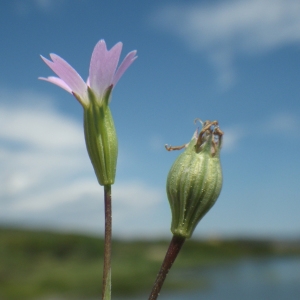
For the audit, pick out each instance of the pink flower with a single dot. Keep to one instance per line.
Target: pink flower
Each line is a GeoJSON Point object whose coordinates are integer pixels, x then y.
{"type": "Point", "coordinates": [103, 72]}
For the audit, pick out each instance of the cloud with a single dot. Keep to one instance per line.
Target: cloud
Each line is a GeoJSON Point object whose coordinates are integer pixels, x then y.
{"type": "Point", "coordinates": [24, 8]}
{"type": "Point", "coordinates": [283, 124]}
{"type": "Point", "coordinates": [223, 29]}
{"type": "Point", "coordinates": [39, 147]}
{"type": "Point", "coordinates": [156, 143]}
{"type": "Point", "coordinates": [232, 137]}
{"type": "Point", "coordinates": [44, 5]}
{"type": "Point", "coordinates": [47, 178]}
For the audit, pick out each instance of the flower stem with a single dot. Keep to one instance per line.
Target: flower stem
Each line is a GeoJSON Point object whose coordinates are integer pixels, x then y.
{"type": "Point", "coordinates": [174, 248]}
{"type": "Point", "coordinates": [106, 289]}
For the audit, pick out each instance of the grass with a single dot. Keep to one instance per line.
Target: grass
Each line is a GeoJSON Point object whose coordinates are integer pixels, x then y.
{"type": "Point", "coordinates": [37, 265]}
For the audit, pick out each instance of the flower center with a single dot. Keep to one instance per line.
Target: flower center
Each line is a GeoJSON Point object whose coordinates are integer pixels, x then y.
{"type": "Point", "coordinates": [210, 129]}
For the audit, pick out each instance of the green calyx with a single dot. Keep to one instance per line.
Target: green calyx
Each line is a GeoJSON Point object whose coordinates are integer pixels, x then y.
{"type": "Point", "coordinates": [195, 180]}
{"type": "Point", "coordinates": [101, 138]}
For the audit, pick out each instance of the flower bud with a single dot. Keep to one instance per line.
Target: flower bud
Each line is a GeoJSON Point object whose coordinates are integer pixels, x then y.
{"type": "Point", "coordinates": [195, 179]}
{"type": "Point", "coordinates": [101, 138]}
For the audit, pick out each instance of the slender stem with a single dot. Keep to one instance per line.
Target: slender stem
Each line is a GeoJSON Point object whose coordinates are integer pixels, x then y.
{"type": "Point", "coordinates": [106, 289]}
{"type": "Point", "coordinates": [174, 248]}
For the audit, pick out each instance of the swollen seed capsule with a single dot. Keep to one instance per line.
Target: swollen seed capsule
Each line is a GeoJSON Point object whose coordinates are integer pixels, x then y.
{"type": "Point", "coordinates": [195, 179]}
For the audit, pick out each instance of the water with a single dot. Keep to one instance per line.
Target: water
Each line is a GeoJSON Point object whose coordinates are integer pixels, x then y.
{"type": "Point", "coordinates": [251, 279]}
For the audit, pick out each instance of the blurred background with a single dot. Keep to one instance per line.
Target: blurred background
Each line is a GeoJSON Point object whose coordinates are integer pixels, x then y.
{"type": "Point", "coordinates": [237, 62]}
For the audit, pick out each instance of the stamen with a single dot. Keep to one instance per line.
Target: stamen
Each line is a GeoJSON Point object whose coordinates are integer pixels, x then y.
{"type": "Point", "coordinates": [199, 120]}
{"type": "Point", "coordinates": [205, 129]}
{"type": "Point", "coordinates": [210, 128]}
{"type": "Point", "coordinates": [170, 148]}
{"type": "Point", "coordinates": [218, 131]}
{"type": "Point", "coordinates": [214, 148]}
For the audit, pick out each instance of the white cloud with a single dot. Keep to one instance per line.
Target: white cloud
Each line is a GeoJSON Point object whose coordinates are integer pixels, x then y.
{"type": "Point", "coordinates": [282, 123]}
{"type": "Point", "coordinates": [25, 7]}
{"type": "Point", "coordinates": [156, 143]}
{"type": "Point", "coordinates": [39, 128]}
{"type": "Point", "coordinates": [232, 137]}
{"type": "Point", "coordinates": [44, 5]}
{"type": "Point", "coordinates": [226, 28]}
{"type": "Point", "coordinates": [47, 178]}
{"type": "Point", "coordinates": [38, 146]}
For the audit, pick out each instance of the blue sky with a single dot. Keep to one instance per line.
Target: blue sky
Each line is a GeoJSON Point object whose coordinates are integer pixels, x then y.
{"type": "Point", "coordinates": [237, 62]}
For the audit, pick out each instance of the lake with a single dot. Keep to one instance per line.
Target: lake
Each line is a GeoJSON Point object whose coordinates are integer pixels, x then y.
{"type": "Point", "coordinates": [247, 279]}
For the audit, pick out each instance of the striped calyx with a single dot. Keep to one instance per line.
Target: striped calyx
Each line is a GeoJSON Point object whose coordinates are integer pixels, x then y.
{"type": "Point", "coordinates": [195, 180]}
{"type": "Point", "coordinates": [101, 138]}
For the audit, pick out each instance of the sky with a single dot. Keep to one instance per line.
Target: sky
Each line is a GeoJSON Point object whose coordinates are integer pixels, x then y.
{"type": "Point", "coordinates": [237, 62]}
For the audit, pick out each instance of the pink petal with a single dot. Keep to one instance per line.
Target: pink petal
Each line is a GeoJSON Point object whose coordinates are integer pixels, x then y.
{"type": "Point", "coordinates": [128, 60]}
{"type": "Point", "coordinates": [57, 81]}
{"type": "Point", "coordinates": [103, 66]}
{"type": "Point", "coordinates": [67, 74]}
{"type": "Point", "coordinates": [113, 60]}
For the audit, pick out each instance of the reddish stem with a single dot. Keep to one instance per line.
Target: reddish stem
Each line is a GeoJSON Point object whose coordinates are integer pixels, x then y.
{"type": "Point", "coordinates": [174, 248]}
{"type": "Point", "coordinates": [107, 243]}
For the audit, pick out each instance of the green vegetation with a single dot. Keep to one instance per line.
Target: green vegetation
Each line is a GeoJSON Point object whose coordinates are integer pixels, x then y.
{"type": "Point", "coordinates": [37, 265]}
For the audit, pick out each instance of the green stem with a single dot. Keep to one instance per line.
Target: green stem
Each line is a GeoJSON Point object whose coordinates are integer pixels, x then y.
{"type": "Point", "coordinates": [174, 248]}
{"type": "Point", "coordinates": [106, 291]}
